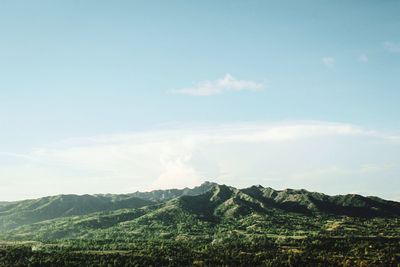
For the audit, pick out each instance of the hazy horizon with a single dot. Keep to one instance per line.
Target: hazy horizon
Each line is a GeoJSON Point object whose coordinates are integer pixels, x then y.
{"type": "Point", "coordinates": [185, 187]}
{"type": "Point", "coordinates": [101, 97]}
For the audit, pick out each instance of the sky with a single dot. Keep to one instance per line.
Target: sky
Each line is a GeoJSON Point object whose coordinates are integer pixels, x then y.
{"type": "Point", "coordinates": [118, 96]}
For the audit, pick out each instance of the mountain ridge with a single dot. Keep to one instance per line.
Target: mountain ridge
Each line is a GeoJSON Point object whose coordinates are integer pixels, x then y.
{"type": "Point", "coordinates": [208, 203]}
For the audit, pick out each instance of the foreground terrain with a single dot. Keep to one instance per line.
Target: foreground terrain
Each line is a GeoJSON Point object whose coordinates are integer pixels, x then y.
{"type": "Point", "coordinates": [210, 225]}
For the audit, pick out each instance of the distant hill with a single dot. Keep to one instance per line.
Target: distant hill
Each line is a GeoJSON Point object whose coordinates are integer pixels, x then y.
{"type": "Point", "coordinates": [30, 211]}
{"type": "Point", "coordinates": [17, 213]}
{"type": "Point", "coordinates": [164, 195]}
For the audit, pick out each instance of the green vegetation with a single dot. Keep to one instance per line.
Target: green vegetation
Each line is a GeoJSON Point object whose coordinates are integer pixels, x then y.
{"type": "Point", "coordinates": [211, 225]}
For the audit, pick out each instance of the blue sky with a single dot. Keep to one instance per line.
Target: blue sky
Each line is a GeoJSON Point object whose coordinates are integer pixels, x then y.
{"type": "Point", "coordinates": [90, 70]}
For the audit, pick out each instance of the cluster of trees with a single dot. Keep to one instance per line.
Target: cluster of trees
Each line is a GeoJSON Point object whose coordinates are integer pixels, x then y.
{"type": "Point", "coordinates": [257, 251]}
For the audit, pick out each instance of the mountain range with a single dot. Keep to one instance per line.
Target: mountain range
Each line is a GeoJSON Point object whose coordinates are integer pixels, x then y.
{"type": "Point", "coordinates": [200, 211]}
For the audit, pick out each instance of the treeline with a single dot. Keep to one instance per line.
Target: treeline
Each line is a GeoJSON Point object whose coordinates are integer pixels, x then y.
{"type": "Point", "coordinates": [230, 252]}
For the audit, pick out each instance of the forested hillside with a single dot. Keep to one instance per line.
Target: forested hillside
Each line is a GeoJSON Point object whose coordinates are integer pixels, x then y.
{"type": "Point", "coordinates": [209, 225]}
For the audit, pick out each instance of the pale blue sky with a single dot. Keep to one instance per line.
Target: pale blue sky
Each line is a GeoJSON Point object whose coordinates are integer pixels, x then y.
{"type": "Point", "coordinates": [84, 69]}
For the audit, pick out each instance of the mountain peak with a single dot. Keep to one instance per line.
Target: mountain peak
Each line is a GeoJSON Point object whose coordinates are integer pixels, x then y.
{"type": "Point", "coordinates": [208, 183]}
{"type": "Point", "coordinates": [221, 192]}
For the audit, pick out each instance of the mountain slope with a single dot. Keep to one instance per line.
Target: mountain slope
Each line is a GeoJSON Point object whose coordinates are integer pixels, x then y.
{"type": "Point", "coordinates": [225, 201]}
{"type": "Point", "coordinates": [18, 213]}
{"type": "Point", "coordinates": [31, 211]}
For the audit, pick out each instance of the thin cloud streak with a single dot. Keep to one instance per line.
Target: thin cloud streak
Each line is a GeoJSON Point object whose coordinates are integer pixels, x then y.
{"type": "Point", "coordinates": [328, 61]}
{"type": "Point", "coordinates": [228, 83]}
{"type": "Point", "coordinates": [392, 47]}
{"type": "Point", "coordinates": [363, 58]}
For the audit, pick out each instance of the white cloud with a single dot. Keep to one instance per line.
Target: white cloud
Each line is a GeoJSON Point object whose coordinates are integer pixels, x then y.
{"type": "Point", "coordinates": [392, 47]}
{"type": "Point", "coordinates": [363, 58]}
{"type": "Point", "coordinates": [328, 61]}
{"type": "Point", "coordinates": [222, 85]}
{"type": "Point", "coordinates": [323, 156]}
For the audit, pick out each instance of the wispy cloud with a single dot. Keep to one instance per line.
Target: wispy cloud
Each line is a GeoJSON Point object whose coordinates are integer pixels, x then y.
{"type": "Point", "coordinates": [392, 47]}
{"type": "Point", "coordinates": [239, 154]}
{"type": "Point", "coordinates": [363, 58]}
{"type": "Point", "coordinates": [328, 61]}
{"type": "Point", "coordinates": [228, 83]}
